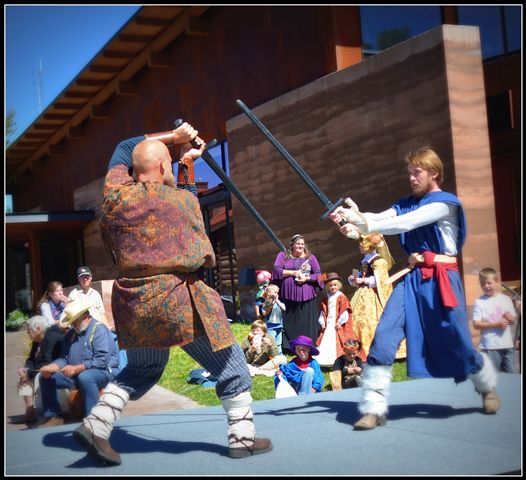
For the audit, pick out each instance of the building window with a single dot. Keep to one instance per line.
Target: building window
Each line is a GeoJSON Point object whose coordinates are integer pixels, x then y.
{"type": "Point", "coordinates": [499, 112]}
{"type": "Point", "coordinates": [513, 27]}
{"type": "Point", "coordinates": [9, 203]}
{"type": "Point", "coordinates": [203, 173]}
{"type": "Point", "coordinates": [383, 27]}
{"type": "Point", "coordinates": [500, 27]}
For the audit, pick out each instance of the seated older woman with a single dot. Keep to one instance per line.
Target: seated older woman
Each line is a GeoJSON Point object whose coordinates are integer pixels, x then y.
{"type": "Point", "coordinates": [45, 347]}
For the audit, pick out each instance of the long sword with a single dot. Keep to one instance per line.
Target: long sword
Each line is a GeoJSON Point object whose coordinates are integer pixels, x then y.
{"type": "Point", "coordinates": [234, 189]}
{"type": "Point", "coordinates": [294, 164]}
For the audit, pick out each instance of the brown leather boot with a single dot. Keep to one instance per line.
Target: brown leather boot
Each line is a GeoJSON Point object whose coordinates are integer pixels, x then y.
{"type": "Point", "coordinates": [490, 402]}
{"type": "Point", "coordinates": [99, 449]}
{"type": "Point", "coordinates": [370, 421]}
{"type": "Point", "coordinates": [260, 445]}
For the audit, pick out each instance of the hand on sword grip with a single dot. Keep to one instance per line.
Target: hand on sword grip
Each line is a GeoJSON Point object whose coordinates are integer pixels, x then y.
{"type": "Point", "coordinates": [193, 142]}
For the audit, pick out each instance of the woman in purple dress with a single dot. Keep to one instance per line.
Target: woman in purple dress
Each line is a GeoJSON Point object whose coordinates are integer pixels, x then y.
{"type": "Point", "coordinates": [298, 272]}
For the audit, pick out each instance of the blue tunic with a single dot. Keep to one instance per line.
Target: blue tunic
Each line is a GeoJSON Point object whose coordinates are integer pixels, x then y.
{"type": "Point", "coordinates": [438, 337]}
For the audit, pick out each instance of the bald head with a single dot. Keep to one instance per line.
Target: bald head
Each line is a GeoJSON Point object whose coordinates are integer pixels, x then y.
{"type": "Point", "coordinates": [152, 162]}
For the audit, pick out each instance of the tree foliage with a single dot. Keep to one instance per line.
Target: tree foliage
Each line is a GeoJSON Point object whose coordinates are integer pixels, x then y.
{"type": "Point", "coordinates": [10, 126]}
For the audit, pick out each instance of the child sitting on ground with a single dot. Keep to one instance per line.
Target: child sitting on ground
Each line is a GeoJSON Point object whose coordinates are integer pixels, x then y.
{"type": "Point", "coordinates": [347, 368]}
{"type": "Point", "coordinates": [303, 372]}
{"type": "Point", "coordinates": [261, 352]}
{"type": "Point", "coordinates": [270, 308]}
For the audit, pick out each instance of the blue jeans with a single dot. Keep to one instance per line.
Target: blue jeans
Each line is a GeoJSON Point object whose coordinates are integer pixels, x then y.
{"type": "Point", "coordinates": [503, 359]}
{"type": "Point", "coordinates": [89, 382]}
{"type": "Point", "coordinates": [305, 386]}
{"type": "Point", "coordinates": [276, 331]}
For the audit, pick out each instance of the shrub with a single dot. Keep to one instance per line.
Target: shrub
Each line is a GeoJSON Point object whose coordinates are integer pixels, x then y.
{"type": "Point", "coordinates": [16, 319]}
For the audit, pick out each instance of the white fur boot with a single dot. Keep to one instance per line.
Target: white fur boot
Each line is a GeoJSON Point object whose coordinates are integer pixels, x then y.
{"type": "Point", "coordinates": [108, 409]}
{"type": "Point", "coordinates": [241, 431]}
{"type": "Point", "coordinates": [375, 388]}
{"type": "Point", "coordinates": [485, 382]}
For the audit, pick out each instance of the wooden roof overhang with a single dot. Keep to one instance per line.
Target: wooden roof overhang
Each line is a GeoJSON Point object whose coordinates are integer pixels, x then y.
{"type": "Point", "coordinates": [21, 226]}
{"type": "Point", "coordinates": [138, 44]}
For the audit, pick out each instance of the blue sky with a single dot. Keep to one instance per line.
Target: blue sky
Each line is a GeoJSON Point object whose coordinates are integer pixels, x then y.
{"type": "Point", "coordinates": [64, 38]}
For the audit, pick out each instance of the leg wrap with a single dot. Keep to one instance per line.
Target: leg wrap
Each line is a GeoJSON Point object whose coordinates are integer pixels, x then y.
{"type": "Point", "coordinates": [241, 431]}
{"type": "Point", "coordinates": [108, 409]}
{"type": "Point", "coordinates": [485, 380]}
{"type": "Point", "coordinates": [375, 388]}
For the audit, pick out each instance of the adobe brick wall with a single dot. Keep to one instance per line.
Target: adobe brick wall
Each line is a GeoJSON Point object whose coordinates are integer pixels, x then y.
{"type": "Point", "coordinates": [350, 131]}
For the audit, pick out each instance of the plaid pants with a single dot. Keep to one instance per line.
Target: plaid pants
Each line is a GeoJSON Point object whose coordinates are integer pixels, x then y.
{"type": "Point", "coordinates": [146, 366]}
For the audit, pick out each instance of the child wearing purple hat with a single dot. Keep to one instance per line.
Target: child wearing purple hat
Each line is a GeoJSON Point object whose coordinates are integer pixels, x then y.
{"type": "Point", "coordinates": [303, 372]}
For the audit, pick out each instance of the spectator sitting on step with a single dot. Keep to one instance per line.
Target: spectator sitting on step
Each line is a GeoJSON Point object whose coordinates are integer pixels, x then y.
{"type": "Point", "coordinates": [89, 361]}
{"type": "Point", "coordinates": [84, 289]}
{"type": "Point", "coordinates": [261, 352]}
{"type": "Point", "coordinates": [45, 347]}
{"type": "Point", "coordinates": [52, 303]}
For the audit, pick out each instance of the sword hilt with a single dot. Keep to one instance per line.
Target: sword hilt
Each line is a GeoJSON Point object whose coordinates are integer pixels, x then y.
{"type": "Point", "coordinates": [178, 123]}
{"type": "Point", "coordinates": [334, 207]}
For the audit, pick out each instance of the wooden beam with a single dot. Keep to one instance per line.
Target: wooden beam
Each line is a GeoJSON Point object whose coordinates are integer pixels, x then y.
{"type": "Point", "coordinates": [118, 54]}
{"type": "Point", "coordinates": [57, 116]}
{"type": "Point", "coordinates": [66, 106]}
{"type": "Point", "coordinates": [78, 94]}
{"type": "Point", "coordinates": [36, 135]}
{"type": "Point", "coordinates": [198, 26]}
{"type": "Point", "coordinates": [99, 111]}
{"type": "Point", "coordinates": [136, 38]}
{"type": "Point", "coordinates": [16, 154]}
{"type": "Point", "coordinates": [27, 144]}
{"type": "Point", "coordinates": [159, 60]}
{"type": "Point", "coordinates": [91, 83]}
{"type": "Point", "coordinates": [23, 150]}
{"type": "Point", "coordinates": [104, 69]}
{"type": "Point", "coordinates": [126, 88]}
{"type": "Point", "coordinates": [45, 127]}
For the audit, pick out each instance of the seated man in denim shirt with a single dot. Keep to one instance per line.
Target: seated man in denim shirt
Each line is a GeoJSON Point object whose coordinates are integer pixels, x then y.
{"type": "Point", "coordinates": [89, 361]}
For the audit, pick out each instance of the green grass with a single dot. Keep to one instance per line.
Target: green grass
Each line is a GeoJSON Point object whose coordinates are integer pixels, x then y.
{"type": "Point", "coordinates": [180, 364]}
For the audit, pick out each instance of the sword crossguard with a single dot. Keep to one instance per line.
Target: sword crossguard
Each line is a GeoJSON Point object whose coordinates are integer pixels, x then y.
{"type": "Point", "coordinates": [334, 207]}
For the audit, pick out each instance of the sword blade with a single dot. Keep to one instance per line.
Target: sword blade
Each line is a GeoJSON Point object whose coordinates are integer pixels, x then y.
{"type": "Point", "coordinates": [232, 187]}
{"type": "Point", "coordinates": [292, 162]}
{"type": "Point", "coordinates": [242, 199]}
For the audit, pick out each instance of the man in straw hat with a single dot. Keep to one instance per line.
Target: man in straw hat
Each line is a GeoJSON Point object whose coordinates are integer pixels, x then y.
{"type": "Point", "coordinates": [89, 355]}
{"type": "Point", "coordinates": [427, 306]}
{"type": "Point", "coordinates": [156, 236]}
